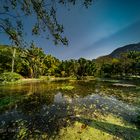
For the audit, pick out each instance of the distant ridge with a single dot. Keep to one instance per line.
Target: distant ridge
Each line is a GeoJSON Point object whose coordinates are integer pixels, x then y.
{"type": "Point", "coordinates": [131, 47]}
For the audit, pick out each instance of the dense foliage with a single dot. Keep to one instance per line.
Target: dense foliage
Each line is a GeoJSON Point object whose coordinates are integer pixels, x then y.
{"type": "Point", "coordinates": [32, 62]}
{"type": "Point", "coordinates": [10, 77]}
{"type": "Point", "coordinates": [127, 64]}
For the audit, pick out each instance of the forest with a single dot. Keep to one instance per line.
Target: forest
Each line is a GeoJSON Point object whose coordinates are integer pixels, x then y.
{"type": "Point", "coordinates": [32, 62]}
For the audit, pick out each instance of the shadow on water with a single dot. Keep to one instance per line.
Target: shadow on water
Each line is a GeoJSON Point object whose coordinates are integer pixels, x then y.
{"type": "Point", "coordinates": [113, 129]}
{"type": "Point", "coordinates": [34, 116]}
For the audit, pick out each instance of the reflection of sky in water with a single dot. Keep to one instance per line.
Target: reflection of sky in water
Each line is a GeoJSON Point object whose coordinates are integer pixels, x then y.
{"type": "Point", "coordinates": [61, 102]}
{"type": "Point", "coordinates": [103, 103]}
{"type": "Point", "coordinates": [58, 98]}
{"type": "Point", "coordinates": [47, 108]}
{"type": "Point", "coordinates": [64, 111]}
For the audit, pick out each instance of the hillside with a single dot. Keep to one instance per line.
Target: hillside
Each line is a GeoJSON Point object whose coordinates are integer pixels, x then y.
{"type": "Point", "coordinates": [131, 47]}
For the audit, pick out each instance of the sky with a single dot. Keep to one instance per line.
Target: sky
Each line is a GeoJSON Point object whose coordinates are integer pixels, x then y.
{"type": "Point", "coordinates": [93, 32]}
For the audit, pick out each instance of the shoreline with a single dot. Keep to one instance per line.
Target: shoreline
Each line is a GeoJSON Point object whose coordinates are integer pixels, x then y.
{"type": "Point", "coordinates": [52, 78]}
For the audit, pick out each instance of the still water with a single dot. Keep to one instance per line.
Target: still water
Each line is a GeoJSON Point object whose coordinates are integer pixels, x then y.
{"type": "Point", "coordinates": [40, 110]}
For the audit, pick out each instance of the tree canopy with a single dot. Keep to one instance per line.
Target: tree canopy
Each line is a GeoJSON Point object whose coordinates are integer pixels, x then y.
{"type": "Point", "coordinates": [32, 62]}
{"type": "Point", "coordinates": [12, 13]}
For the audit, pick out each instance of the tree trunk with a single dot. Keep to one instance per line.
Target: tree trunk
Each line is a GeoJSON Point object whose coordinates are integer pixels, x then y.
{"type": "Point", "coordinates": [13, 59]}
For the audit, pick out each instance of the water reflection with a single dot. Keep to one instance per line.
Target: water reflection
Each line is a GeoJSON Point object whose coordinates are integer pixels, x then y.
{"type": "Point", "coordinates": [45, 108]}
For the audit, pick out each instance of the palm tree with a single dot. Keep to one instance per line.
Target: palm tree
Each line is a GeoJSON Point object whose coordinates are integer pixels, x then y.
{"type": "Point", "coordinates": [33, 61]}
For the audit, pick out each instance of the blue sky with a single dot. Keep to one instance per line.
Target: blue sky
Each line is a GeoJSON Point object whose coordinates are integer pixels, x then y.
{"type": "Point", "coordinates": [92, 32]}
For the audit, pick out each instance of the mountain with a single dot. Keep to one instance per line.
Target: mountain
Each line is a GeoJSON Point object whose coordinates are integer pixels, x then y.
{"type": "Point", "coordinates": [131, 47]}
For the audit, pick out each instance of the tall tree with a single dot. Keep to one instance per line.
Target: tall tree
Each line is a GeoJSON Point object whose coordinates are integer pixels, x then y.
{"type": "Point", "coordinates": [5, 58]}
{"type": "Point", "coordinates": [33, 61]}
{"type": "Point", "coordinates": [51, 65]}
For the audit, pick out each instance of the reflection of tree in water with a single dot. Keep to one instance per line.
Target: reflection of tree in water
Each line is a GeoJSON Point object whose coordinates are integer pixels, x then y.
{"type": "Point", "coordinates": [36, 115]}
{"type": "Point", "coordinates": [46, 117]}
{"type": "Point", "coordinates": [41, 114]}
{"type": "Point", "coordinates": [34, 103]}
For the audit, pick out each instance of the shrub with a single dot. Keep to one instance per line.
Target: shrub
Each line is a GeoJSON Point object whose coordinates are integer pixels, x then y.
{"type": "Point", "coordinates": [10, 77]}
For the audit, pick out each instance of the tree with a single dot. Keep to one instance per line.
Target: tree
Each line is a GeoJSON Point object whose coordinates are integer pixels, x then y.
{"type": "Point", "coordinates": [13, 58]}
{"type": "Point", "coordinates": [126, 64]}
{"type": "Point", "coordinates": [5, 57]}
{"type": "Point", "coordinates": [99, 62]}
{"type": "Point", "coordinates": [116, 67]}
{"type": "Point", "coordinates": [91, 68]}
{"type": "Point", "coordinates": [83, 68]}
{"type": "Point", "coordinates": [12, 13]}
{"type": "Point", "coordinates": [106, 70]}
{"type": "Point", "coordinates": [51, 65]}
{"type": "Point", "coordinates": [134, 56]}
{"type": "Point", "coordinates": [33, 61]}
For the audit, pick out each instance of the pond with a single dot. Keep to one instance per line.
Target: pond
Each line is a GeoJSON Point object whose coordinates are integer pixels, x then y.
{"type": "Point", "coordinates": [70, 109]}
